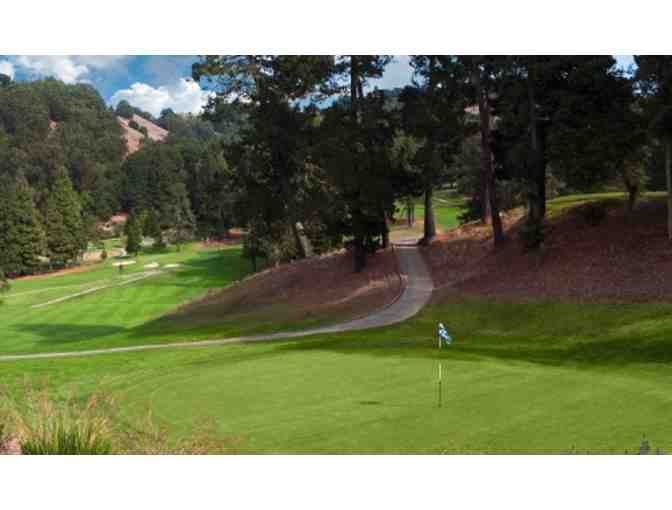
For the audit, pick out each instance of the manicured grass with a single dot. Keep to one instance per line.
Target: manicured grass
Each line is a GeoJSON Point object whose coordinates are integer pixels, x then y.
{"type": "Point", "coordinates": [537, 378]}
{"type": "Point", "coordinates": [562, 203]}
{"type": "Point", "coordinates": [447, 208]}
{"type": "Point", "coordinates": [113, 316]}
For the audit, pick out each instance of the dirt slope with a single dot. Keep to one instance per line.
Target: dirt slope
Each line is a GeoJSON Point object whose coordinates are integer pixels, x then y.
{"type": "Point", "coordinates": [317, 289]}
{"type": "Point", "coordinates": [620, 259]}
{"type": "Point", "coordinates": [134, 137]}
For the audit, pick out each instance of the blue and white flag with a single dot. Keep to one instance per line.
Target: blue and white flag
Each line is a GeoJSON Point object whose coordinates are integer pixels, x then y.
{"type": "Point", "coordinates": [444, 337]}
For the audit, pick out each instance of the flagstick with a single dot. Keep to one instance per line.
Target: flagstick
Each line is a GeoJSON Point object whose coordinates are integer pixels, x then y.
{"type": "Point", "coordinates": [440, 374]}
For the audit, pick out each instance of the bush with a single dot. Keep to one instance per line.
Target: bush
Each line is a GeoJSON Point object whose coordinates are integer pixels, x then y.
{"type": "Point", "coordinates": [71, 426]}
{"type": "Point", "coordinates": [45, 427]}
{"type": "Point", "coordinates": [593, 213]}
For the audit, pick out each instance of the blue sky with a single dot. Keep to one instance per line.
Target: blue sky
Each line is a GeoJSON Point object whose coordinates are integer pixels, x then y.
{"type": "Point", "coordinates": [154, 82]}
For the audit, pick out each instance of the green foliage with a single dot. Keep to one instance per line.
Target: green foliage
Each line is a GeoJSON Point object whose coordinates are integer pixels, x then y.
{"type": "Point", "coordinates": [133, 232]}
{"type": "Point", "coordinates": [184, 223]}
{"type": "Point", "coordinates": [124, 109]}
{"type": "Point", "coordinates": [22, 238]}
{"type": "Point", "coordinates": [5, 287]}
{"type": "Point", "coordinates": [152, 228]}
{"type": "Point", "coordinates": [66, 236]}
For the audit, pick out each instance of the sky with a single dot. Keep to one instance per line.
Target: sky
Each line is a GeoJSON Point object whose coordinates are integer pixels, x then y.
{"type": "Point", "coordinates": [155, 82]}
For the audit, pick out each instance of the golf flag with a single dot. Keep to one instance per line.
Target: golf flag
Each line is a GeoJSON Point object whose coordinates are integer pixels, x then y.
{"type": "Point", "coordinates": [444, 337]}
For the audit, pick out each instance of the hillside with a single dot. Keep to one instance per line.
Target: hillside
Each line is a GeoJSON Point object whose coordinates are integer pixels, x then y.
{"type": "Point", "coordinates": [620, 259]}
{"type": "Point", "coordinates": [133, 137]}
{"type": "Point", "coordinates": [308, 292]}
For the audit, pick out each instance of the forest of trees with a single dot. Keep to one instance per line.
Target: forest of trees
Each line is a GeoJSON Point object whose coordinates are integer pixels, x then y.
{"type": "Point", "coordinates": [304, 147]}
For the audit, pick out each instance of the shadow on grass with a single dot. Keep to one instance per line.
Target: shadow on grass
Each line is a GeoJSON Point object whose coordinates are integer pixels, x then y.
{"type": "Point", "coordinates": [67, 333]}
{"type": "Point", "coordinates": [610, 350]}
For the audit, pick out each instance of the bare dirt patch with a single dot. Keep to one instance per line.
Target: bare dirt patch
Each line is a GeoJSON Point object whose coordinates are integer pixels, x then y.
{"type": "Point", "coordinates": [59, 272]}
{"type": "Point", "coordinates": [319, 288]}
{"type": "Point", "coordinates": [621, 259]}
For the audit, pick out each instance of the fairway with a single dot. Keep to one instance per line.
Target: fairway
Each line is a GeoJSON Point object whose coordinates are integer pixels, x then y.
{"type": "Point", "coordinates": [101, 307]}
{"type": "Point", "coordinates": [523, 378]}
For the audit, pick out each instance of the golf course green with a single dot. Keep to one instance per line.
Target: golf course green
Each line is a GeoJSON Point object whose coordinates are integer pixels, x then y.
{"type": "Point", "coordinates": [525, 378]}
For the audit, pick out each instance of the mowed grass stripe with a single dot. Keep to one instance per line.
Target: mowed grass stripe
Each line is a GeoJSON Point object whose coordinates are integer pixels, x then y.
{"type": "Point", "coordinates": [107, 317]}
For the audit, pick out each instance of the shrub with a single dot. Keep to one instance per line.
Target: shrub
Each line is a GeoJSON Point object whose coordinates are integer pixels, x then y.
{"type": "Point", "coordinates": [48, 426]}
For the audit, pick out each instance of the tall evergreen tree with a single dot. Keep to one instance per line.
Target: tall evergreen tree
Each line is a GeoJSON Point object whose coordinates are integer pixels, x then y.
{"type": "Point", "coordinates": [434, 113]}
{"type": "Point", "coordinates": [66, 238]}
{"type": "Point", "coordinates": [22, 238]}
{"type": "Point", "coordinates": [133, 231]}
{"type": "Point", "coordinates": [267, 158]}
{"type": "Point", "coordinates": [654, 77]}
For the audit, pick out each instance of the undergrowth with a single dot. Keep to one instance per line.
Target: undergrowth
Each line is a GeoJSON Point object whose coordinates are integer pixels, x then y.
{"type": "Point", "coordinates": [45, 424]}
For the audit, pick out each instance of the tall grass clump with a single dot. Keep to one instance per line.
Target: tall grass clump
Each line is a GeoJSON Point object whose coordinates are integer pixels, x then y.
{"type": "Point", "coordinates": [46, 426]}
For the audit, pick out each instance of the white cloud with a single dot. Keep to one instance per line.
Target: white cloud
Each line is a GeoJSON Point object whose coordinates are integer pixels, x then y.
{"type": "Point", "coordinates": [62, 67]}
{"type": "Point", "coordinates": [6, 67]}
{"type": "Point", "coordinates": [69, 68]}
{"type": "Point", "coordinates": [184, 96]}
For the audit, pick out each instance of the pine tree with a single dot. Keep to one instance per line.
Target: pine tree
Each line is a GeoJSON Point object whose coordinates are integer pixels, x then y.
{"type": "Point", "coordinates": [183, 217]}
{"type": "Point", "coordinates": [4, 284]}
{"type": "Point", "coordinates": [133, 233]}
{"type": "Point", "coordinates": [152, 228]}
{"type": "Point", "coordinates": [22, 238]}
{"type": "Point", "coordinates": [66, 238]}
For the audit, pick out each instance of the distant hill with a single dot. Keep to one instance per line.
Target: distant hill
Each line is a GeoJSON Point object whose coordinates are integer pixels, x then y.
{"type": "Point", "coordinates": [133, 137]}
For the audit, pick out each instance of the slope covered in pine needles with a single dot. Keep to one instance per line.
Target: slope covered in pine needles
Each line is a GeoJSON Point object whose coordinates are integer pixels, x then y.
{"type": "Point", "coordinates": [622, 259]}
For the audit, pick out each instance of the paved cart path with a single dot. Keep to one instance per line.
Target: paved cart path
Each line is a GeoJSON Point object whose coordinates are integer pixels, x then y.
{"type": "Point", "coordinates": [415, 294]}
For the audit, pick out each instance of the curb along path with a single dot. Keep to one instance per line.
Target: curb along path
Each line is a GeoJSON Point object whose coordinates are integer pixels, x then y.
{"type": "Point", "coordinates": [414, 297]}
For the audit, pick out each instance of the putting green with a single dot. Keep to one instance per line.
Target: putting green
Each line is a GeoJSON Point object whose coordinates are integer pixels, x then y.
{"type": "Point", "coordinates": [535, 378]}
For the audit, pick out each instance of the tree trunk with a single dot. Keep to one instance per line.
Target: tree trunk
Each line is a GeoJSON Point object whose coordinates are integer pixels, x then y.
{"type": "Point", "coordinates": [359, 251]}
{"type": "Point", "coordinates": [668, 177]}
{"type": "Point", "coordinates": [489, 205]}
{"type": "Point", "coordinates": [409, 214]}
{"type": "Point", "coordinates": [537, 184]}
{"type": "Point", "coordinates": [359, 254]}
{"type": "Point", "coordinates": [430, 224]}
{"type": "Point", "coordinates": [385, 234]}
{"type": "Point", "coordinates": [300, 248]}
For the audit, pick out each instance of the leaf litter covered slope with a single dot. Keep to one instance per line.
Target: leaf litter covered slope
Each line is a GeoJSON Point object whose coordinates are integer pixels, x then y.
{"type": "Point", "coordinates": [620, 259]}
{"type": "Point", "coordinates": [309, 292]}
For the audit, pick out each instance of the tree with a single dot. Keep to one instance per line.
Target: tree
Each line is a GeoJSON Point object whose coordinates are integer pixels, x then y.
{"type": "Point", "coordinates": [66, 238]}
{"type": "Point", "coordinates": [124, 109]}
{"type": "Point", "coordinates": [5, 80]}
{"type": "Point", "coordinates": [133, 231]}
{"type": "Point", "coordinates": [434, 113]}
{"type": "Point", "coordinates": [571, 113]}
{"type": "Point", "coordinates": [5, 286]}
{"type": "Point", "coordinates": [654, 76]}
{"type": "Point", "coordinates": [152, 228]}
{"type": "Point", "coordinates": [184, 221]}
{"type": "Point", "coordinates": [267, 159]}
{"type": "Point", "coordinates": [22, 238]}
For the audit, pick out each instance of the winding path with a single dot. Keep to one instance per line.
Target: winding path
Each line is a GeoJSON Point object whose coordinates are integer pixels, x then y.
{"type": "Point", "coordinates": [414, 296]}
